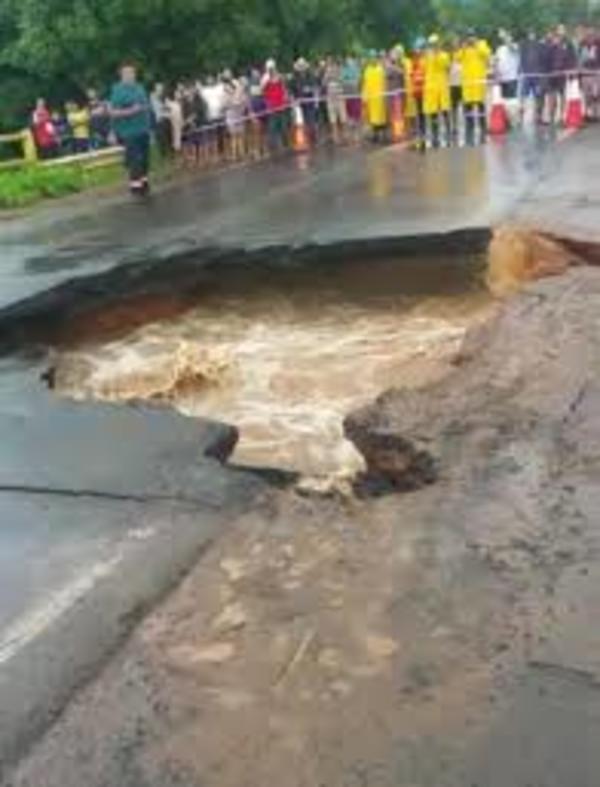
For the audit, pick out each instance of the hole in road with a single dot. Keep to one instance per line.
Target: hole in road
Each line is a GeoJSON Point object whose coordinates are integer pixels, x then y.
{"type": "Point", "coordinates": [285, 354]}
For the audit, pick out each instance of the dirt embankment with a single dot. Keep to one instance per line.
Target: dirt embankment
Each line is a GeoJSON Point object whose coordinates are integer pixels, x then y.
{"type": "Point", "coordinates": [518, 374]}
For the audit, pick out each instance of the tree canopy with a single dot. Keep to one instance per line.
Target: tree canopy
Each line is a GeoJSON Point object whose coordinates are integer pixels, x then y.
{"type": "Point", "coordinates": [58, 47]}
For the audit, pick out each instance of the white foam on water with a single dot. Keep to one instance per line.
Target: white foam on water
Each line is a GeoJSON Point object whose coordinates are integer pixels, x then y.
{"type": "Point", "coordinates": [284, 370]}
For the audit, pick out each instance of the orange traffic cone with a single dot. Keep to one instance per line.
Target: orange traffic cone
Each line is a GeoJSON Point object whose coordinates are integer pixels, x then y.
{"type": "Point", "coordinates": [498, 124]}
{"type": "Point", "coordinates": [574, 115]}
{"type": "Point", "coordinates": [299, 135]}
{"type": "Point", "coordinates": [397, 126]}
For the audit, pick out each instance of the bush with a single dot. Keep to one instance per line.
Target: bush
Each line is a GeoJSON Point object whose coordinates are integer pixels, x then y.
{"type": "Point", "coordinates": [19, 188]}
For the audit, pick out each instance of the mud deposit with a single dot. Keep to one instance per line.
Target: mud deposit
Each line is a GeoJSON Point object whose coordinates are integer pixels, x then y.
{"type": "Point", "coordinates": [286, 355]}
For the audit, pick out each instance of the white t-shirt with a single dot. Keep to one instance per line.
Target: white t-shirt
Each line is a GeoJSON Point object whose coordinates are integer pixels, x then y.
{"type": "Point", "coordinates": [508, 62]}
{"type": "Point", "coordinates": [214, 98]}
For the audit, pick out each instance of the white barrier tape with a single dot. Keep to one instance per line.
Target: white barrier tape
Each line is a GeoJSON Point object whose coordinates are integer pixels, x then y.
{"type": "Point", "coordinates": [324, 98]}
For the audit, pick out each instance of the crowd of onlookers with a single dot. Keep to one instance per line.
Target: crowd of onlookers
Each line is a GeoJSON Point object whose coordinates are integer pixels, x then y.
{"type": "Point", "coordinates": [435, 91]}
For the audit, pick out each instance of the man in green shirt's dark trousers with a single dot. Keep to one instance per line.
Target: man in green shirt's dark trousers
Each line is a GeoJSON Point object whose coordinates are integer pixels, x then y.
{"type": "Point", "coordinates": [130, 112]}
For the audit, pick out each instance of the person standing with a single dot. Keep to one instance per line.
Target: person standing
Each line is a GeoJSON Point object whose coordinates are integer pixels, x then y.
{"type": "Point", "coordinates": [589, 61]}
{"type": "Point", "coordinates": [99, 120]}
{"type": "Point", "coordinates": [44, 131]}
{"type": "Point", "coordinates": [336, 102]}
{"type": "Point", "coordinates": [436, 100]}
{"type": "Point", "coordinates": [351, 84]}
{"type": "Point", "coordinates": [475, 57]}
{"type": "Point", "coordinates": [174, 104]}
{"type": "Point", "coordinates": [394, 80]}
{"type": "Point", "coordinates": [456, 93]}
{"type": "Point", "coordinates": [79, 120]}
{"type": "Point", "coordinates": [130, 113]}
{"type": "Point", "coordinates": [373, 96]}
{"type": "Point", "coordinates": [304, 88]}
{"type": "Point", "coordinates": [236, 107]}
{"type": "Point", "coordinates": [532, 57]}
{"type": "Point", "coordinates": [162, 119]}
{"type": "Point", "coordinates": [257, 116]}
{"type": "Point", "coordinates": [213, 93]}
{"type": "Point", "coordinates": [277, 106]}
{"type": "Point", "coordinates": [507, 66]}
{"type": "Point", "coordinates": [563, 64]}
{"type": "Point", "coordinates": [414, 69]}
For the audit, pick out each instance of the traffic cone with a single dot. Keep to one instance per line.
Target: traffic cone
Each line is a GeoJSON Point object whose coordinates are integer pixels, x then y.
{"type": "Point", "coordinates": [397, 126]}
{"type": "Point", "coordinates": [299, 135]}
{"type": "Point", "coordinates": [574, 115]}
{"type": "Point", "coordinates": [498, 124]}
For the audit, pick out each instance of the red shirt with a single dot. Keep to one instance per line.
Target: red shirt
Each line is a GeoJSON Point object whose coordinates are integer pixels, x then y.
{"type": "Point", "coordinates": [43, 129]}
{"type": "Point", "coordinates": [275, 93]}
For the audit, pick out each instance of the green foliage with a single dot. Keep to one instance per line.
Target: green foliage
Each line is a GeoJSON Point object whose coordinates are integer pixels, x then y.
{"type": "Point", "coordinates": [60, 47]}
{"type": "Point", "coordinates": [25, 186]}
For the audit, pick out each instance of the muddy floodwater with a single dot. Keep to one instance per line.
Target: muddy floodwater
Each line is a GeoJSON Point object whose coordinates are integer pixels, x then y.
{"type": "Point", "coordinates": [286, 354]}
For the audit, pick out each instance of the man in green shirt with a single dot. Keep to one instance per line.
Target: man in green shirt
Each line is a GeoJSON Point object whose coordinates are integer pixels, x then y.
{"type": "Point", "coordinates": [130, 113]}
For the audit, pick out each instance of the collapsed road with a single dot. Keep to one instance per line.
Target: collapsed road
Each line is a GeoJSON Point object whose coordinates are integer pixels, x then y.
{"type": "Point", "coordinates": [305, 610]}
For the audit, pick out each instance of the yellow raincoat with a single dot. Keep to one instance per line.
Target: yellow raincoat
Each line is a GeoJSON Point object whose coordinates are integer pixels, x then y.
{"type": "Point", "coordinates": [475, 61]}
{"type": "Point", "coordinates": [373, 95]}
{"type": "Point", "coordinates": [436, 97]}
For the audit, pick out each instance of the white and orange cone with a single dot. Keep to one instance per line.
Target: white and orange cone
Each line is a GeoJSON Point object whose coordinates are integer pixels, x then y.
{"type": "Point", "coordinates": [498, 123]}
{"type": "Point", "coordinates": [299, 136]}
{"type": "Point", "coordinates": [574, 114]}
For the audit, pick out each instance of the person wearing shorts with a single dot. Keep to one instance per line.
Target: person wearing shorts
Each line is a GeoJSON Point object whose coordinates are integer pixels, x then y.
{"type": "Point", "coordinates": [507, 66]}
{"type": "Point", "coordinates": [337, 114]}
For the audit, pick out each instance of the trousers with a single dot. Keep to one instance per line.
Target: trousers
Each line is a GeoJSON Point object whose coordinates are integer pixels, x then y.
{"type": "Point", "coordinates": [137, 155]}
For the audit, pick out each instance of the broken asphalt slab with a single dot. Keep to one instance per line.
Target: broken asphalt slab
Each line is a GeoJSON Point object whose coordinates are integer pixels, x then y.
{"type": "Point", "coordinates": [102, 510]}
{"type": "Point", "coordinates": [328, 198]}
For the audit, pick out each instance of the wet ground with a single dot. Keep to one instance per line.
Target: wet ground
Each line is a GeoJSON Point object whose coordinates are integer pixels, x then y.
{"type": "Point", "coordinates": [328, 197]}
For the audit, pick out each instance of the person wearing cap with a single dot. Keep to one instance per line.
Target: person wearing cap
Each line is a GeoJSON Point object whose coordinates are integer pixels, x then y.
{"type": "Point", "coordinates": [475, 58]}
{"type": "Point", "coordinates": [414, 71]}
{"type": "Point", "coordinates": [436, 97]}
{"type": "Point", "coordinates": [373, 96]}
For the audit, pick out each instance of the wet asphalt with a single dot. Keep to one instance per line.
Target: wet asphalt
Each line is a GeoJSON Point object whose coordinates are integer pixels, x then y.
{"type": "Point", "coordinates": [327, 197]}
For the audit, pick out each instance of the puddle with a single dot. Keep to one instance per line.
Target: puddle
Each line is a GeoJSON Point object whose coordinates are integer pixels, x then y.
{"type": "Point", "coordinates": [286, 354]}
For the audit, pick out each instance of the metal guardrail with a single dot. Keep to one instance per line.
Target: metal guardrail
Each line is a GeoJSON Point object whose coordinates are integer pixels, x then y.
{"type": "Point", "coordinates": [91, 160]}
{"type": "Point", "coordinates": [25, 139]}
{"type": "Point", "coordinates": [95, 158]}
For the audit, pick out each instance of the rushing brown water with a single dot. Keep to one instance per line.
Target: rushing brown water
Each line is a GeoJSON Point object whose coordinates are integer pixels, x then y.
{"type": "Point", "coordinates": [286, 355]}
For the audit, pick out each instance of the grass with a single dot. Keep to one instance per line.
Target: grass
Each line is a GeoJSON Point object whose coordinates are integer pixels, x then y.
{"type": "Point", "coordinates": [23, 187]}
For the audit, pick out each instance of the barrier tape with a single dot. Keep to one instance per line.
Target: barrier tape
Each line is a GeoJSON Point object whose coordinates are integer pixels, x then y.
{"type": "Point", "coordinates": [324, 98]}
